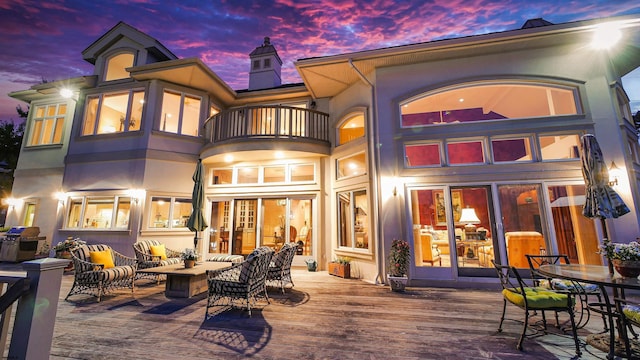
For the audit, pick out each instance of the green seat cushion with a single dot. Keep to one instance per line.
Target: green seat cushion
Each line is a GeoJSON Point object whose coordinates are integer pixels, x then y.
{"type": "Point", "coordinates": [632, 312]}
{"type": "Point", "coordinates": [537, 298]}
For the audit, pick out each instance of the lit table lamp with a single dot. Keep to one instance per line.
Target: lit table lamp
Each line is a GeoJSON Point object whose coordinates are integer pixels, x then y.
{"type": "Point", "coordinates": [469, 218]}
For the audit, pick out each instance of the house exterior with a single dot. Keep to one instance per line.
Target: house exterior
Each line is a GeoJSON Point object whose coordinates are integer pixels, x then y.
{"type": "Point", "coordinates": [468, 148]}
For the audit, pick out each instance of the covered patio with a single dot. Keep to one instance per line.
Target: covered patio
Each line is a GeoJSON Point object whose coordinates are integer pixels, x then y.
{"type": "Point", "coordinates": [323, 317]}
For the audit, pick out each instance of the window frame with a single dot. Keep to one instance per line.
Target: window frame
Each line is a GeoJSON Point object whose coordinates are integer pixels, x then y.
{"type": "Point", "coordinates": [181, 112]}
{"type": "Point", "coordinates": [171, 220]}
{"type": "Point", "coordinates": [111, 57]}
{"type": "Point", "coordinates": [57, 120]}
{"type": "Point", "coordinates": [84, 202]}
{"type": "Point", "coordinates": [352, 219]}
{"type": "Point", "coordinates": [126, 121]}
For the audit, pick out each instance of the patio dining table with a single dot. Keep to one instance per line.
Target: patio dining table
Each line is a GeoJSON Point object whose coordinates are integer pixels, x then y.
{"type": "Point", "coordinates": [601, 276]}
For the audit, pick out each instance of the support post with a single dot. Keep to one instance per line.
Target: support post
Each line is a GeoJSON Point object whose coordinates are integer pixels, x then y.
{"type": "Point", "coordinates": [36, 312]}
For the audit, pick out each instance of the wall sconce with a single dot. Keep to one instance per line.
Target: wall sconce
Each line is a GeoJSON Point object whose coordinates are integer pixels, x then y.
{"type": "Point", "coordinates": [395, 191]}
{"type": "Point", "coordinates": [614, 173]}
{"type": "Point", "coordinates": [11, 202]}
{"type": "Point", "coordinates": [60, 196]}
{"type": "Point", "coordinates": [136, 194]}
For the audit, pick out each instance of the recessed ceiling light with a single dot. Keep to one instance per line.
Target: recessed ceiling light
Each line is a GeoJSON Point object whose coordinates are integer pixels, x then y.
{"type": "Point", "coordinates": [228, 158]}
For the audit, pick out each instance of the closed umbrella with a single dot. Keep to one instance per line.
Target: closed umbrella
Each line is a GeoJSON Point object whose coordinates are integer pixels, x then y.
{"type": "Point", "coordinates": [196, 221]}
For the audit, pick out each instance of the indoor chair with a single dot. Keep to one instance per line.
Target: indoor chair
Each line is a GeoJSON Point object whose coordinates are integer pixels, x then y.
{"type": "Point", "coordinates": [530, 299]}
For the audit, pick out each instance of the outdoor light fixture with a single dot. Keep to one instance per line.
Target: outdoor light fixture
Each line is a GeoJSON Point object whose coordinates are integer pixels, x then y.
{"type": "Point", "coordinates": [606, 35]}
{"type": "Point", "coordinates": [11, 202]}
{"type": "Point", "coordinates": [60, 196]}
{"type": "Point", "coordinates": [614, 173]}
{"type": "Point", "coordinates": [469, 218]}
{"type": "Point", "coordinates": [66, 93]}
{"type": "Point", "coordinates": [136, 194]}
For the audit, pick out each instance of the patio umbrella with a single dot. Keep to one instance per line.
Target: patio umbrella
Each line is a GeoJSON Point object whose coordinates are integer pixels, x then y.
{"type": "Point", "coordinates": [196, 221]}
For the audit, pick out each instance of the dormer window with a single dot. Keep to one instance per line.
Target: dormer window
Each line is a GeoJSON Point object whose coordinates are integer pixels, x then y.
{"type": "Point", "coordinates": [267, 63]}
{"type": "Point", "coordinates": [256, 64]}
{"type": "Point", "coordinates": [115, 66]}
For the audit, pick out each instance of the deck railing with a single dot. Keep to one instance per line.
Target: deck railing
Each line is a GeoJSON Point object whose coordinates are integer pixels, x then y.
{"type": "Point", "coordinates": [276, 122]}
{"type": "Point", "coordinates": [36, 294]}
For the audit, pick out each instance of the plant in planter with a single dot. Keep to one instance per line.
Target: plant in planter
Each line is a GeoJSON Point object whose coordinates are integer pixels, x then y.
{"type": "Point", "coordinates": [398, 264]}
{"type": "Point", "coordinates": [64, 248]}
{"type": "Point", "coordinates": [625, 258]}
{"type": "Point", "coordinates": [341, 267]}
{"type": "Point", "coordinates": [190, 257]}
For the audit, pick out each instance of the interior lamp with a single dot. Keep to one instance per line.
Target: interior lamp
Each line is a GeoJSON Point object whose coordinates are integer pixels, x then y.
{"type": "Point", "coordinates": [469, 218]}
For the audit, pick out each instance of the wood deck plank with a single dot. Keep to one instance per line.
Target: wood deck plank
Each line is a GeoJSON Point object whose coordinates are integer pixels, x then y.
{"type": "Point", "coordinates": [323, 317]}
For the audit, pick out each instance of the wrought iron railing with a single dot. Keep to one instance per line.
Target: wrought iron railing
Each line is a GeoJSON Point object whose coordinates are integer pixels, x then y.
{"type": "Point", "coordinates": [275, 122]}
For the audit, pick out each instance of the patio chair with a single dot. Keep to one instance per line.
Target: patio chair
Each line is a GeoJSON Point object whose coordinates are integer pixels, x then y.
{"type": "Point", "coordinates": [279, 272]}
{"type": "Point", "coordinates": [99, 269]}
{"type": "Point", "coordinates": [242, 282]}
{"type": "Point", "coordinates": [152, 253]}
{"type": "Point", "coordinates": [579, 290]}
{"type": "Point", "coordinates": [529, 299]}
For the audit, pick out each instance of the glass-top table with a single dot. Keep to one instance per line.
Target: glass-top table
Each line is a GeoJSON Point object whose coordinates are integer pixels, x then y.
{"type": "Point", "coordinates": [601, 276]}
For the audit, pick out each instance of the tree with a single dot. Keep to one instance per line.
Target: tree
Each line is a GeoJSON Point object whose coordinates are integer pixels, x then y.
{"type": "Point", "coordinates": [10, 142]}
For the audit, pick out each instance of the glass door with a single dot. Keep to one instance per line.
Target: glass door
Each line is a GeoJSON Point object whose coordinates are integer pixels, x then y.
{"type": "Point", "coordinates": [244, 232]}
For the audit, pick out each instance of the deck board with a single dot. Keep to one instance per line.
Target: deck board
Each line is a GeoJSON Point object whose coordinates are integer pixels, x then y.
{"type": "Point", "coordinates": [323, 317]}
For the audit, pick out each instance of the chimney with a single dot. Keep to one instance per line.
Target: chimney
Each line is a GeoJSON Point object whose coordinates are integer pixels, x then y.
{"type": "Point", "coordinates": [265, 67]}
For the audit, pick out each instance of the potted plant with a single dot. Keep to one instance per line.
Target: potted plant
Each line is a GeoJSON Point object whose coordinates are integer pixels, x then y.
{"type": "Point", "coordinates": [341, 267]}
{"type": "Point", "coordinates": [398, 264]}
{"type": "Point", "coordinates": [625, 258]}
{"type": "Point", "coordinates": [64, 248]}
{"type": "Point", "coordinates": [189, 256]}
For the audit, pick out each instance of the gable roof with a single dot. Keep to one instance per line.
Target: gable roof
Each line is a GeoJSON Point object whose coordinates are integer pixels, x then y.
{"type": "Point", "coordinates": [119, 31]}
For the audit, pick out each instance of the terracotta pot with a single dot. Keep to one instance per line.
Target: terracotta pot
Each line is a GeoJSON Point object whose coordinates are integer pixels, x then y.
{"type": "Point", "coordinates": [627, 268]}
{"type": "Point", "coordinates": [189, 263]}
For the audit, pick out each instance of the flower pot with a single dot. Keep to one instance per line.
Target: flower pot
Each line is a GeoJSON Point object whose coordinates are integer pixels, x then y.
{"type": "Point", "coordinates": [397, 283]}
{"type": "Point", "coordinates": [189, 264]}
{"type": "Point", "coordinates": [627, 268]}
{"type": "Point", "coordinates": [65, 254]}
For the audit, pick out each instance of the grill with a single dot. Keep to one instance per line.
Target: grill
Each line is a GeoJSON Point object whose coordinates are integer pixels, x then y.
{"type": "Point", "coordinates": [20, 243]}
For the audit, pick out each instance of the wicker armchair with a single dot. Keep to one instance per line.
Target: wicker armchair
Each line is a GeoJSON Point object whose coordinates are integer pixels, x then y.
{"type": "Point", "coordinates": [97, 279]}
{"type": "Point", "coordinates": [146, 260]}
{"type": "Point", "coordinates": [244, 281]}
{"type": "Point", "coordinates": [279, 272]}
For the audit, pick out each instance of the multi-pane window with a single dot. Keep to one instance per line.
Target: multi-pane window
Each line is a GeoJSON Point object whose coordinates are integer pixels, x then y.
{"type": "Point", "coordinates": [353, 165]}
{"type": "Point", "coordinates": [353, 223]}
{"type": "Point", "coordinates": [47, 124]}
{"type": "Point", "coordinates": [116, 65]}
{"type": "Point", "coordinates": [559, 147]}
{"type": "Point", "coordinates": [113, 113]}
{"type": "Point", "coordinates": [99, 212]}
{"type": "Point", "coordinates": [465, 152]}
{"type": "Point", "coordinates": [287, 173]}
{"type": "Point", "coordinates": [169, 212]}
{"type": "Point", "coordinates": [29, 213]}
{"type": "Point", "coordinates": [180, 113]}
{"type": "Point", "coordinates": [351, 129]}
{"type": "Point", "coordinates": [511, 149]}
{"type": "Point", "coordinates": [489, 102]}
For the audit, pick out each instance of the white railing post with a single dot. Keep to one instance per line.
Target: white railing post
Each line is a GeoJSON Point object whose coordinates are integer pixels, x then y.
{"type": "Point", "coordinates": [36, 312]}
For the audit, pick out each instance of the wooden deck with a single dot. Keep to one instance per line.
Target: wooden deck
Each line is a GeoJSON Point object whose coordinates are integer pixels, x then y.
{"type": "Point", "coordinates": [323, 317]}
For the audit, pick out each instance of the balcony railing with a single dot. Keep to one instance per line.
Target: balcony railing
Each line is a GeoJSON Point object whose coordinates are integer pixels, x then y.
{"type": "Point", "coordinates": [270, 122]}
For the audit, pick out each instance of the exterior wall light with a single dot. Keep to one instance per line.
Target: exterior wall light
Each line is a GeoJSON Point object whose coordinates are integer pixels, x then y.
{"type": "Point", "coordinates": [12, 202]}
{"type": "Point", "coordinates": [606, 35]}
{"type": "Point", "coordinates": [136, 194]}
{"type": "Point", "coordinates": [60, 196]}
{"type": "Point", "coordinates": [614, 174]}
{"type": "Point", "coordinates": [66, 93]}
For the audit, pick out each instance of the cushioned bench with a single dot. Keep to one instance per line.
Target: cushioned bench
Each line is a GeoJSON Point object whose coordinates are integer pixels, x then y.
{"type": "Point", "coordinates": [227, 258]}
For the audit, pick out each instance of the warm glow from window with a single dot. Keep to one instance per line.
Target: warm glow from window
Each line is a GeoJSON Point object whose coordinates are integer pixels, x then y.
{"type": "Point", "coordinates": [351, 129]}
{"type": "Point", "coordinates": [48, 121]}
{"type": "Point", "coordinates": [116, 65]}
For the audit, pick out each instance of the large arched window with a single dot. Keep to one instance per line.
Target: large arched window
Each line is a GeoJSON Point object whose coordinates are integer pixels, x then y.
{"type": "Point", "coordinates": [494, 101]}
{"type": "Point", "coordinates": [351, 128]}
{"type": "Point", "coordinates": [116, 65]}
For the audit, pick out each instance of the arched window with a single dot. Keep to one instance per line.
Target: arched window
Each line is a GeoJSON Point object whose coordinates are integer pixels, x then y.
{"type": "Point", "coordinates": [116, 65]}
{"type": "Point", "coordinates": [350, 129]}
{"type": "Point", "coordinates": [495, 101]}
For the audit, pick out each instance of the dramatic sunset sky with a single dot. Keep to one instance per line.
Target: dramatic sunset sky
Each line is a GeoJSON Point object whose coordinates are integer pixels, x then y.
{"type": "Point", "coordinates": [43, 40]}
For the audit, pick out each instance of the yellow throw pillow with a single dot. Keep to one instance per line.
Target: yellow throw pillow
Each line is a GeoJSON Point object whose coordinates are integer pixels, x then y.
{"type": "Point", "coordinates": [158, 250]}
{"type": "Point", "coordinates": [102, 257]}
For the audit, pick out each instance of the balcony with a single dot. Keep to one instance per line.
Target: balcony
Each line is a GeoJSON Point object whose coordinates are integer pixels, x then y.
{"type": "Point", "coordinates": [267, 127]}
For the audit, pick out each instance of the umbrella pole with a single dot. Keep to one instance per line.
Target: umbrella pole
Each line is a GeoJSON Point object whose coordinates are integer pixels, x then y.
{"type": "Point", "coordinates": [603, 222]}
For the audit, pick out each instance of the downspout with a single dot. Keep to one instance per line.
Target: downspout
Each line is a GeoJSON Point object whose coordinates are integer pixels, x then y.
{"type": "Point", "coordinates": [374, 160]}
